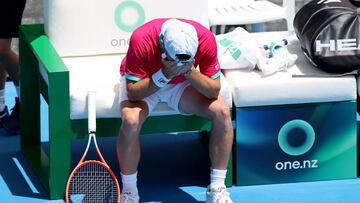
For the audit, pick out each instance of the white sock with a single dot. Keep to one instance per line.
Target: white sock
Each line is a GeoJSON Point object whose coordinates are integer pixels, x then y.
{"type": "Point", "coordinates": [217, 177]}
{"type": "Point", "coordinates": [2, 99]}
{"type": "Point", "coordinates": [17, 91]}
{"type": "Point", "coordinates": [129, 183]}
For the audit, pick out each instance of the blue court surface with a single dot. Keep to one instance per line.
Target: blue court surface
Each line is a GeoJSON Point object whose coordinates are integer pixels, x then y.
{"type": "Point", "coordinates": [174, 168]}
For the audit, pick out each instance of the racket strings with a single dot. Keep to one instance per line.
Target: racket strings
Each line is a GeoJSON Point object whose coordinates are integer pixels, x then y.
{"type": "Point", "coordinates": [93, 183]}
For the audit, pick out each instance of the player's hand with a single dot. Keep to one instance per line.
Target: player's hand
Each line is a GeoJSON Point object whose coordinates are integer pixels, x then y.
{"type": "Point", "coordinates": [171, 68]}
{"type": "Point", "coordinates": [186, 66]}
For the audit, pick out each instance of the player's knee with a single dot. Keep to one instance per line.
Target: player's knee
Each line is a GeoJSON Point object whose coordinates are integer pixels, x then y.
{"type": "Point", "coordinates": [223, 110]}
{"type": "Point", "coordinates": [131, 121]}
{"type": "Point", "coordinates": [222, 113]}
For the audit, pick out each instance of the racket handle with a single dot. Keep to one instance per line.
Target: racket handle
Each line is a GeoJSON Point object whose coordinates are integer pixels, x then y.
{"type": "Point", "coordinates": [91, 111]}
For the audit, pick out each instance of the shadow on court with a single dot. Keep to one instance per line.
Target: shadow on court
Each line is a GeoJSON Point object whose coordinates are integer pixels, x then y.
{"type": "Point", "coordinates": [15, 170]}
{"type": "Point", "coordinates": [168, 163]}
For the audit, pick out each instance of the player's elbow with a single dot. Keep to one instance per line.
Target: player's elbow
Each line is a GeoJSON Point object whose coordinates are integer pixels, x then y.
{"type": "Point", "coordinates": [214, 89]}
{"type": "Point", "coordinates": [133, 94]}
{"type": "Point", "coordinates": [213, 93]}
{"type": "Point", "coordinates": [133, 97]}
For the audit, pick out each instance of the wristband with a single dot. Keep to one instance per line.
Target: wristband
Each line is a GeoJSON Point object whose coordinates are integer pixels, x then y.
{"type": "Point", "coordinates": [159, 79]}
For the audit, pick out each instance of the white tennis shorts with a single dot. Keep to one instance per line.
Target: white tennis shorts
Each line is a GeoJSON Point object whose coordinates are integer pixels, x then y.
{"type": "Point", "coordinates": [169, 94]}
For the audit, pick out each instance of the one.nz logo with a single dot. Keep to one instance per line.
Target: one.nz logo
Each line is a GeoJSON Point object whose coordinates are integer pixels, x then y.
{"type": "Point", "coordinates": [129, 23]}
{"type": "Point", "coordinates": [296, 128]}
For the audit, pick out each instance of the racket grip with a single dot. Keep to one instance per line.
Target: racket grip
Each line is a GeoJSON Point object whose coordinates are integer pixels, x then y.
{"type": "Point", "coordinates": [91, 111]}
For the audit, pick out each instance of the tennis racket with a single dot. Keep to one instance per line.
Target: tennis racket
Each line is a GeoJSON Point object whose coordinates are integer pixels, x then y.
{"type": "Point", "coordinates": [92, 180]}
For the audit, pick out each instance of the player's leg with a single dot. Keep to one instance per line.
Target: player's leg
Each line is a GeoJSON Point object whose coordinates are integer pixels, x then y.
{"type": "Point", "coordinates": [5, 48]}
{"type": "Point", "coordinates": [10, 19]}
{"type": "Point", "coordinates": [4, 113]}
{"type": "Point", "coordinates": [133, 115]}
{"type": "Point", "coordinates": [221, 138]}
{"type": "Point", "coordinates": [9, 60]}
{"type": "Point", "coordinates": [217, 110]}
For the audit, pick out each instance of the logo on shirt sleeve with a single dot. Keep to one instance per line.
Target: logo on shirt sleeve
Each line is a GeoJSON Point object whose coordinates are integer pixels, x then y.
{"type": "Point", "coordinates": [217, 67]}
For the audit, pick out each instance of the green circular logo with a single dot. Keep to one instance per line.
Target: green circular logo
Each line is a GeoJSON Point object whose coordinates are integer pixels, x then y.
{"type": "Point", "coordinates": [284, 133]}
{"type": "Point", "coordinates": [132, 5]}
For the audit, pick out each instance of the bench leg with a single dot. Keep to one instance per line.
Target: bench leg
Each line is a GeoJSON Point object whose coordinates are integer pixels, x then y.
{"type": "Point", "coordinates": [30, 142]}
{"type": "Point", "coordinates": [59, 164]}
{"type": "Point", "coordinates": [60, 133]}
{"type": "Point", "coordinates": [29, 104]}
{"type": "Point", "coordinates": [229, 174]}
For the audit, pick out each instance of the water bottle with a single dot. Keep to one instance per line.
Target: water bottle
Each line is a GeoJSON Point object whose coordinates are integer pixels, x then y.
{"type": "Point", "coordinates": [275, 47]}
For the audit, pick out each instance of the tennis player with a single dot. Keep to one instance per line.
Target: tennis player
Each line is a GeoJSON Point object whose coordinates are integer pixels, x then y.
{"type": "Point", "coordinates": [173, 61]}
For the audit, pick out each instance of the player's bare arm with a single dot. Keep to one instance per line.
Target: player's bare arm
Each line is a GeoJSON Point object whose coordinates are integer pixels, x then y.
{"type": "Point", "coordinates": [145, 87]}
{"type": "Point", "coordinates": [209, 87]}
{"type": "Point", "coordinates": [138, 90]}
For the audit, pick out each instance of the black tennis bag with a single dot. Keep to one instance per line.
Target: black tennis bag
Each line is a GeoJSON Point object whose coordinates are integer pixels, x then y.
{"type": "Point", "coordinates": [328, 31]}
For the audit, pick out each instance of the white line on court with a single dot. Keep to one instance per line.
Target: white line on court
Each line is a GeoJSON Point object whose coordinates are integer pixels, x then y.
{"type": "Point", "coordinates": [27, 179]}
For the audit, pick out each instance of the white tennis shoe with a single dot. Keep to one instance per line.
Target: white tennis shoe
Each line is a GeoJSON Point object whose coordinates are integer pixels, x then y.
{"type": "Point", "coordinates": [217, 194]}
{"type": "Point", "coordinates": [128, 197]}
